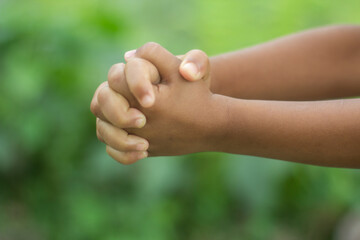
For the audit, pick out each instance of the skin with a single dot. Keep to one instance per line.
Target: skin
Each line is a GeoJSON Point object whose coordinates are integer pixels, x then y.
{"type": "Point", "coordinates": [186, 98]}
{"type": "Point", "coordinates": [317, 64]}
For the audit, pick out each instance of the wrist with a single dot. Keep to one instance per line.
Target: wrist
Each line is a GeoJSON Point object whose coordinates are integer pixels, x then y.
{"type": "Point", "coordinates": [223, 126]}
{"type": "Point", "coordinates": [235, 125]}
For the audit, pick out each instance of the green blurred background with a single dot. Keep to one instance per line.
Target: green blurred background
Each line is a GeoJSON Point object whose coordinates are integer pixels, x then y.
{"type": "Point", "coordinates": [56, 181]}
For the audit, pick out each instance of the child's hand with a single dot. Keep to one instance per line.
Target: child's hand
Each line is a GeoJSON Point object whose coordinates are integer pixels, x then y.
{"type": "Point", "coordinates": [182, 119]}
{"type": "Point", "coordinates": [194, 67]}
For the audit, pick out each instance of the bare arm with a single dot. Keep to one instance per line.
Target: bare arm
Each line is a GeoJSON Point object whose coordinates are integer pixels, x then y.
{"type": "Point", "coordinates": [325, 133]}
{"type": "Point", "coordinates": [187, 117]}
{"type": "Point", "coordinates": [323, 63]}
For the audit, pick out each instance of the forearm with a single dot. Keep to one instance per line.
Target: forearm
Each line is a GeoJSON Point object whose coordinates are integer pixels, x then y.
{"type": "Point", "coordinates": [318, 64]}
{"type": "Point", "coordinates": [323, 133]}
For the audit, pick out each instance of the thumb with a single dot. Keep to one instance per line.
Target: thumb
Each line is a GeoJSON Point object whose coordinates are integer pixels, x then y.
{"type": "Point", "coordinates": [195, 65]}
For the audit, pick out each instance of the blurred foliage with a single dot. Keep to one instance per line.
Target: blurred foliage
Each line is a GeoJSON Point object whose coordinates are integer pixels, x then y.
{"type": "Point", "coordinates": [56, 181]}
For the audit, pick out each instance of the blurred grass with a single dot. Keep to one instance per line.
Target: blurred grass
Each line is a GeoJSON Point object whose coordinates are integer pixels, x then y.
{"type": "Point", "coordinates": [56, 182]}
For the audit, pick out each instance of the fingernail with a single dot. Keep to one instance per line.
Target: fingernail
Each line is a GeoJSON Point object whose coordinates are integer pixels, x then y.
{"type": "Point", "coordinates": [147, 100]}
{"type": "Point", "coordinates": [142, 146]}
{"type": "Point", "coordinates": [140, 122]}
{"type": "Point", "coordinates": [191, 69]}
{"type": "Point", "coordinates": [143, 154]}
{"type": "Point", "coordinates": [129, 54]}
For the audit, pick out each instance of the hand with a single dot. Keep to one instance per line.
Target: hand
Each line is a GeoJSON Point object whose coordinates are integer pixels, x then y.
{"type": "Point", "coordinates": [195, 66]}
{"type": "Point", "coordinates": [180, 121]}
{"type": "Point", "coordinates": [130, 146]}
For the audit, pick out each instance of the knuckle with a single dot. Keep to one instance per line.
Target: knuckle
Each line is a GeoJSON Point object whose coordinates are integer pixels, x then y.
{"type": "Point", "coordinates": [115, 72]}
{"type": "Point", "coordinates": [151, 45]}
{"type": "Point", "coordinates": [109, 151]}
{"type": "Point", "coordinates": [125, 144]}
{"type": "Point", "coordinates": [115, 155]}
{"type": "Point", "coordinates": [134, 63]}
{"type": "Point", "coordinates": [148, 48]}
{"type": "Point", "coordinates": [98, 135]}
{"type": "Point", "coordinates": [111, 70]}
{"type": "Point", "coordinates": [100, 128]}
{"type": "Point", "coordinates": [94, 107]}
{"type": "Point", "coordinates": [121, 120]}
{"type": "Point", "coordinates": [125, 159]}
{"type": "Point", "coordinates": [103, 95]}
{"type": "Point", "coordinates": [130, 158]}
{"type": "Point", "coordinates": [118, 142]}
{"type": "Point", "coordinates": [126, 162]}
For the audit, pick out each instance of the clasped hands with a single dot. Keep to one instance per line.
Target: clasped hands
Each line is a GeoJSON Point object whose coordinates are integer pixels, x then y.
{"type": "Point", "coordinates": [157, 104]}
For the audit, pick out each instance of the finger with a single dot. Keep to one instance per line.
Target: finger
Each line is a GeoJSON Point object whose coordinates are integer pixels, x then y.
{"type": "Point", "coordinates": [117, 80]}
{"type": "Point", "coordinates": [97, 131]}
{"type": "Point", "coordinates": [140, 75]}
{"type": "Point", "coordinates": [115, 109]}
{"type": "Point", "coordinates": [99, 136]}
{"type": "Point", "coordinates": [125, 157]}
{"type": "Point", "coordinates": [164, 61]}
{"type": "Point", "coordinates": [129, 54]}
{"type": "Point", "coordinates": [119, 139]}
{"type": "Point", "coordinates": [94, 105]}
{"type": "Point", "coordinates": [195, 65]}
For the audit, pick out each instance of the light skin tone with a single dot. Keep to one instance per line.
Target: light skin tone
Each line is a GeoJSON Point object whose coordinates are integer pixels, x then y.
{"type": "Point", "coordinates": [186, 116]}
